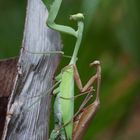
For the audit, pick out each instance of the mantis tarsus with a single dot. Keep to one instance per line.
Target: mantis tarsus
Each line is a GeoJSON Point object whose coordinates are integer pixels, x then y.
{"type": "Point", "coordinates": [64, 102]}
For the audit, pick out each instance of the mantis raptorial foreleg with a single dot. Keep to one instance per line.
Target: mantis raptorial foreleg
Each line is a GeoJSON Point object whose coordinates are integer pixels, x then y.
{"type": "Point", "coordinates": [85, 115]}
{"type": "Point", "coordinates": [87, 86]}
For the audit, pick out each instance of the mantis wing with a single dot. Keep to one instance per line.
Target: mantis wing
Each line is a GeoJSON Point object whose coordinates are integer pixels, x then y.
{"type": "Point", "coordinates": [67, 100]}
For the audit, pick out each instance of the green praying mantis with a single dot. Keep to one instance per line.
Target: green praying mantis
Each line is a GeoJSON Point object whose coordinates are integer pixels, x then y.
{"type": "Point", "coordinates": [70, 126]}
{"type": "Point", "coordinates": [64, 102]}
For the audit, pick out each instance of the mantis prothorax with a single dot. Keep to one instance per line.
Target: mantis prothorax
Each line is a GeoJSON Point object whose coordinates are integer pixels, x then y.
{"type": "Point", "coordinates": [64, 101]}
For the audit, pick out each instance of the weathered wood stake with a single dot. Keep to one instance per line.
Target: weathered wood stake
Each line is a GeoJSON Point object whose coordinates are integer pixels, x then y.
{"type": "Point", "coordinates": [34, 77]}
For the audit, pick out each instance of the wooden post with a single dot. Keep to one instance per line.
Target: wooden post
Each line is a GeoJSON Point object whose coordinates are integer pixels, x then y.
{"type": "Point", "coordinates": [34, 77]}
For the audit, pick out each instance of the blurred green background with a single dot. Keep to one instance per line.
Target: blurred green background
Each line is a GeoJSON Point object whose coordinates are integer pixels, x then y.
{"type": "Point", "coordinates": [112, 35]}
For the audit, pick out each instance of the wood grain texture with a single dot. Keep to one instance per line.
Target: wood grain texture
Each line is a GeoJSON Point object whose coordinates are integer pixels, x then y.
{"type": "Point", "coordinates": [35, 74]}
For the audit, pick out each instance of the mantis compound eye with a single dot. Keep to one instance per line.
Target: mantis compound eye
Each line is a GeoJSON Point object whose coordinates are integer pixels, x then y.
{"type": "Point", "coordinates": [77, 17]}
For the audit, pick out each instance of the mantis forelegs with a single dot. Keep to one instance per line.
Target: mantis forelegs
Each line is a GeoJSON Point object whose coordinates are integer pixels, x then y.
{"type": "Point", "coordinates": [82, 120]}
{"type": "Point", "coordinates": [88, 86]}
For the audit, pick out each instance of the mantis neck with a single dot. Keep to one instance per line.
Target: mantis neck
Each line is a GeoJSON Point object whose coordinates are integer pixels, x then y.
{"type": "Point", "coordinates": [78, 42]}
